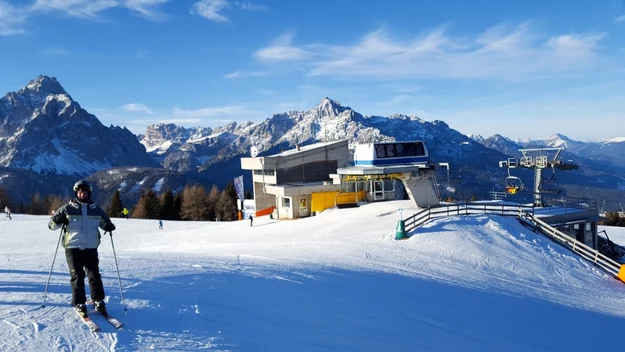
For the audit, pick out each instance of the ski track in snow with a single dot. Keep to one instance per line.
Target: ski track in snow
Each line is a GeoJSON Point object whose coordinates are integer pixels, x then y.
{"type": "Point", "coordinates": [282, 286]}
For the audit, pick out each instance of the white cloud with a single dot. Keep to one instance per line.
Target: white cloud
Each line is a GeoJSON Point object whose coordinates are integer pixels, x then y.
{"type": "Point", "coordinates": [10, 19]}
{"type": "Point", "coordinates": [500, 52]}
{"type": "Point", "coordinates": [211, 112]}
{"type": "Point", "coordinates": [282, 50]}
{"type": "Point", "coordinates": [620, 18]}
{"type": "Point", "coordinates": [395, 100]}
{"type": "Point", "coordinates": [137, 108]}
{"type": "Point", "coordinates": [145, 8]}
{"type": "Point", "coordinates": [210, 9]}
{"type": "Point", "coordinates": [91, 8]}
{"type": "Point", "coordinates": [248, 6]}
{"type": "Point", "coordinates": [241, 74]}
{"type": "Point", "coordinates": [77, 8]}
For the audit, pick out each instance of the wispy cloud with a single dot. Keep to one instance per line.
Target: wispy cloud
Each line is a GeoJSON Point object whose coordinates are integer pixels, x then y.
{"type": "Point", "coordinates": [137, 108]}
{"type": "Point", "coordinates": [248, 6]}
{"type": "Point", "coordinates": [241, 74]}
{"type": "Point", "coordinates": [620, 18]}
{"type": "Point", "coordinates": [282, 50]}
{"type": "Point", "coordinates": [11, 19]}
{"type": "Point", "coordinates": [236, 110]}
{"type": "Point", "coordinates": [92, 8]}
{"type": "Point", "coordinates": [211, 9]}
{"type": "Point", "coordinates": [395, 100]}
{"type": "Point", "coordinates": [500, 52]}
{"type": "Point", "coordinates": [146, 8]}
{"type": "Point", "coordinates": [76, 8]}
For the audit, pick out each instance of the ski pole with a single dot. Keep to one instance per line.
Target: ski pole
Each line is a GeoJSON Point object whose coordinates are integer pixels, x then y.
{"type": "Point", "coordinates": [43, 304]}
{"type": "Point", "coordinates": [121, 293]}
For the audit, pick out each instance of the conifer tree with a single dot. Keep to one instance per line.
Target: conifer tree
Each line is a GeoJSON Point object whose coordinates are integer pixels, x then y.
{"type": "Point", "coordinates": [226, 207]}
{"type": "Point", "coordinates": [148, 206]}
{"type": "Point", "coordinates": [177, 205]}
{"type": "Point", "coordinates": [116, 207]}
{"type": "Point", "coordinates": [168, 211]}
{"type": "Point", "coordinates": [193, 205]}
{"type": "Point", "coordinates": [213, 198]}
{"type": "Point", "coordinates": [4, 199]}
{"type": "Point", "coordinates": [55, 203]}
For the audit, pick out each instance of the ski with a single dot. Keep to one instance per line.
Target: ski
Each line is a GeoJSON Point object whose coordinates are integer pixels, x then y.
{"type": "Point", "coordinates": [112, 320]}
{"type": "Point", "coordinates": [116, 323]}
{"type": "Point", "coordinates": [85, 318]}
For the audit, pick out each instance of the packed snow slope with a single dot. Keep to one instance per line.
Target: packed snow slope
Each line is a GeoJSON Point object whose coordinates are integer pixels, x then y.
{"type": "Point", "coordinates": [338, 281]}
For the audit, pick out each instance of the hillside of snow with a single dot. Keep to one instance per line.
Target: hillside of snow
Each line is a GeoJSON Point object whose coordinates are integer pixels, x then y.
{"type": "Point", "coordinates": [338, 281]}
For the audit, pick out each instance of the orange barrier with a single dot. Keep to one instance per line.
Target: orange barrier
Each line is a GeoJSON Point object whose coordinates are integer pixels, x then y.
{"type": "Point", "coordinates": [265, 211]}
{"type": "Point", "coordinates": [621, 273]}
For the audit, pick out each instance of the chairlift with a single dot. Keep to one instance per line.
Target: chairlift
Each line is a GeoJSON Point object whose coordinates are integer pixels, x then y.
{"type": "Point", "coordinates": [513, 184]}
{"type": "Point", "coordinates": [549, 185]}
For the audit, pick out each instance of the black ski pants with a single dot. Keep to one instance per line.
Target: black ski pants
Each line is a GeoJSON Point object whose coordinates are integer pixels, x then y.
{"type": "Point", "coordinates": [79, 262]}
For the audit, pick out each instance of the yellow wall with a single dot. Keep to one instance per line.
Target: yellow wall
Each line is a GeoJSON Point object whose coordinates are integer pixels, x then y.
{"type": "Point", "coordinates": [324, 200]}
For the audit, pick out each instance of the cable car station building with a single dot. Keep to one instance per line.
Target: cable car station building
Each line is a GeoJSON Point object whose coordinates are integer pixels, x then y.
{"type": "Point", "coordinates": [308, 179]}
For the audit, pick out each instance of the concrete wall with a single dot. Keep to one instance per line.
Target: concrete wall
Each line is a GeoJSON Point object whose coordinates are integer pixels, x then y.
{"type": "Point", "coordinates": [262, 200]}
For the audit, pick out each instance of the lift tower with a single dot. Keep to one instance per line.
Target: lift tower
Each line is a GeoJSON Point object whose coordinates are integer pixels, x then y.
{"type": "Point", "coordinates": [538, 159]}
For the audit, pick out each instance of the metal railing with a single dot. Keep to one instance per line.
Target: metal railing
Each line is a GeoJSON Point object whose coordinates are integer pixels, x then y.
{"type": "Point", "coordinates": [416, 220]}
{"type": "Point", "coordinates": [616, 269]}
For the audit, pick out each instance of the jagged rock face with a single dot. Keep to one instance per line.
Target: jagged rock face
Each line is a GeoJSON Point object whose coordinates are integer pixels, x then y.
{"type": "Point", "coordinates": [46, 131]}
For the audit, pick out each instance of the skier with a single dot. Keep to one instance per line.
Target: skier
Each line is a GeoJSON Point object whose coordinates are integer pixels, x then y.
{"type": "Point", "coordinates": [80, 219]}
{"type": "Point", "coordinates": [7, 212]}
{"type": "Point", "coordinates": [251, 220]}
{"type": "Point", "coordinates": [160, 224]}
{"type": "Point", "coordinates": [125, 213]}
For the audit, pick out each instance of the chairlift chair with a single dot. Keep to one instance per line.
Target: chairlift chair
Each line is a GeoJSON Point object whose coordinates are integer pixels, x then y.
{"type": "Point", "coordinates": [549, 185]}
{"type": "Point", "coordinates": [513, 184]}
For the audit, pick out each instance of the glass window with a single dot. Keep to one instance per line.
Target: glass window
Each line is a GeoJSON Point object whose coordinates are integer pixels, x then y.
{"type": "Point", "coordinates": [588, 227]}
{"type": "Point", "coordinates": [420, 149]}
{"type": "Point", "coordinates": [390, 150]}
{"type": "Point", "coordinates": [286, 202]}
{"type": "Point", "coordinates": [410, 149]}
{"type": "Point", "coordinates": [302, 203]}
{"type": "Point", "coordinates": [380, 151]}
{"type": "Point", "coordinates": [399, 148]}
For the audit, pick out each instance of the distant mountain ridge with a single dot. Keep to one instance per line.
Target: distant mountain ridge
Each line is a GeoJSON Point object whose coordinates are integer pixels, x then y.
{"type": "Point", "coordinates": [44, 130]}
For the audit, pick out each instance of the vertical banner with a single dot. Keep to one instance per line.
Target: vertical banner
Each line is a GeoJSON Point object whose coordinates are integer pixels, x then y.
{"type": "Point", "coordinates": [238, 185]}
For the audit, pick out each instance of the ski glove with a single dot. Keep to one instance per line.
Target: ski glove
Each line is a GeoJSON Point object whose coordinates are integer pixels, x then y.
{"type": "Point", "coordinates": [109, 227]}
{"type": "Point", "coordinates": [60, 219]}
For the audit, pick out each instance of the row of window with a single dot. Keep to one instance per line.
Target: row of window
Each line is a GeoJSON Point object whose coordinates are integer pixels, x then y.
{"type": "Point", "coordinates": [396, 150]}
{"type": "Point", "coordinates": [268, 172]}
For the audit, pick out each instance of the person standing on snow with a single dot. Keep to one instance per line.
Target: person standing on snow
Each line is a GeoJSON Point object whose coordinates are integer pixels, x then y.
{"type": "Point", "coordinates": [160, 224]}
{"type": "Point", "coordinates": [80, 219]}
{"type": "Point", "coordinates": [7, 212]}
{"type": "Point", "coordinates": [251, 220]}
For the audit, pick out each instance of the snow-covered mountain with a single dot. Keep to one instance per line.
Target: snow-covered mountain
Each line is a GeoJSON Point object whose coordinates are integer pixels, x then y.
{"type": "Point", "coordinates": [184, 149]}
{"type": "Point", "coordinates": [44, 130]}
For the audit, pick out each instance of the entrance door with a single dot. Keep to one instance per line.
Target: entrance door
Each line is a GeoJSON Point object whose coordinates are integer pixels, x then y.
{"type": "Point", "coordinates": [378, 190]}
{"type": "Point", "coordinates": [303, 207]}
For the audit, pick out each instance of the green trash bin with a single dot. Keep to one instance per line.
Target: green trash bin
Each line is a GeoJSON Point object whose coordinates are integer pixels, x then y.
{"type": "Point", "coordinates": [400, 230]}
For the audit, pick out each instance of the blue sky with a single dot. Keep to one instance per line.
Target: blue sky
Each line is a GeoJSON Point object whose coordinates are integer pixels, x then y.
{"type": "Point", "coordinates": [523, 69]}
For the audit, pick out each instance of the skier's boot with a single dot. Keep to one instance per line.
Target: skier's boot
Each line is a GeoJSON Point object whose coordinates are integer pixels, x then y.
{"type": "Point", "coordinates": [81, 309]}
{"type": "Point", "coordinates": [100, 307]}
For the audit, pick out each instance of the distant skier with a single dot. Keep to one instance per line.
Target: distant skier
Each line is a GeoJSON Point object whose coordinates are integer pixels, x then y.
{"type": "Point", "coordinates": [160, 224]}
{"type": "Point", "coordinates": [7, 212]}
{"type": "Point", "coordinates": [251, 220]}
{"type": "Point", "coordinates": [80, 219]}
{"type": "Point", "coordinates": [125, 213]}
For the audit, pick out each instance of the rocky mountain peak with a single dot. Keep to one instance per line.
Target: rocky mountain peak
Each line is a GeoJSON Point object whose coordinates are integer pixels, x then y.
{"type": "Point", "coordinates": [330, 108]}
{"type": "Point", "coordinates": [43, 85]}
